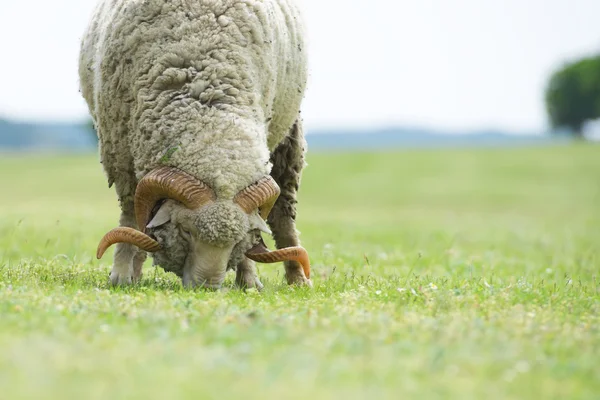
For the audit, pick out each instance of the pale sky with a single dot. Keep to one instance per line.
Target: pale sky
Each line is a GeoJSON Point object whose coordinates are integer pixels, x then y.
{"type": "Point", "coordinates": [450, 64]}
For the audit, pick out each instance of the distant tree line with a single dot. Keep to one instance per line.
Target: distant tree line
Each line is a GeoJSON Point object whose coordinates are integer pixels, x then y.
{"type": "Point", "coordinates": [573, 95]}
{"type": "Point", "coordinates": [91, 129]}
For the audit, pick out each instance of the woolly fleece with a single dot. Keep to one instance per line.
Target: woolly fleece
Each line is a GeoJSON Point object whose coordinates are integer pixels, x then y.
{"type": "Point", "coordinates": [208, 86]}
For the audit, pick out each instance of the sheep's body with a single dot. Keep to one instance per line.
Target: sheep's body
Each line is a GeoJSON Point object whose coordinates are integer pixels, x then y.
{"type": "Point", "coordinates": [210, 87]}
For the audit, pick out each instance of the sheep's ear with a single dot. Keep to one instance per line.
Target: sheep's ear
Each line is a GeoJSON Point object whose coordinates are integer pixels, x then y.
{"type": "Point", "coordinates": [162, 217]}
{"type": "Point", "coordinates": [256, 222]}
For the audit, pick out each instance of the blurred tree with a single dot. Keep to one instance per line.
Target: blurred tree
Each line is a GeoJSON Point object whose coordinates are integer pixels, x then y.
{"type": "Point", "coordinates": [573, 95]}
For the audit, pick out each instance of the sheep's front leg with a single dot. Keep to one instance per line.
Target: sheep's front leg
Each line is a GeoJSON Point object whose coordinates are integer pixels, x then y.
{"type": "Point", "coordinates": [128, 259]}
{"type": "Point", "coordinates": [138, 263]}
{"type": "Point", "coordinates": [288, 162]}
{"type": "Point", "coordinates": [246, 276]}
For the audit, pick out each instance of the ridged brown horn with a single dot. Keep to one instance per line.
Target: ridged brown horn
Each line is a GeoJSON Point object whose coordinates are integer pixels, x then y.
{"type": "Point", "coordinates": [262, 195]}
{"type": "Point", "coordinates": [260, 253]}
{"type": "Point", "coordinates": [169, 183]}
{"type": "Point", "coordinates": [127, 235]}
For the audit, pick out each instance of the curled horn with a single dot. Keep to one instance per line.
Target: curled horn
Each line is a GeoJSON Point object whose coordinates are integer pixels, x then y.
{"type": "Point", "coordinates": [262, 195]}
{"type": "Point", "coordinates": [260, 253]}
{"type": "Point", "coordinates": [127, 235]}
{"type": "Point", "coordinates": [161, 183]}
{"type": "Point", "coordinates": [169, 183]}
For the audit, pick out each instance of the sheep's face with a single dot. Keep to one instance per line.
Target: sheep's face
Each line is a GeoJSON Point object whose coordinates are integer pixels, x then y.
{"type": "Point", "coordinates": [199, 245]}
{"type": "Point", "coordinates": [196, 235]}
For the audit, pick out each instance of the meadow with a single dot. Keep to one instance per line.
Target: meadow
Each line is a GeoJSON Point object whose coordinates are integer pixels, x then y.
{"type": "Point", "coordinates": [437, 274]}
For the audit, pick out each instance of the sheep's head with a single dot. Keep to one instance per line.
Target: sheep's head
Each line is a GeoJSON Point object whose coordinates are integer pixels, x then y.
{"type": "Point", "coordinates": [196, 236]}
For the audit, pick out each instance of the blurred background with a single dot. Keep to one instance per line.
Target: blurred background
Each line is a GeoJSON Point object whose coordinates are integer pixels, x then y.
{"type": "Point", "coordinates": [426, 73]}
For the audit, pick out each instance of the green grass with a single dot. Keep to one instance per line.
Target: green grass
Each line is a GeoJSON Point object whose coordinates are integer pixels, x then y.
{"type": "Point", "coordinates": [437, 274]}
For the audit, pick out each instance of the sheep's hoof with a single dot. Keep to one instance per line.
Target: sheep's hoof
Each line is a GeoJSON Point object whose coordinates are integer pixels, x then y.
{"type": "Point", "coordinates": [249, 281]}
{"type": "Point", "coordinates": [117, 279]}
{"type": "Point", "coordinates": [294, 275]}
{"type": "Point", "coordinates": [298, 280]}
{"type": "Point", "coordinates": [258, 284]}
{"type": "Point", "coordinates": [303, 282]}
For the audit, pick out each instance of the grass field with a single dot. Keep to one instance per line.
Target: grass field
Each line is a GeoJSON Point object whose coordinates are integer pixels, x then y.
{"type": "Point", "coordinates": [437, 274]}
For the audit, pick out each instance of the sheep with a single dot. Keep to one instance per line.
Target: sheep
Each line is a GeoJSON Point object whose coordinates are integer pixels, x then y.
{"type": "Point", "coordinates": [196, 104]}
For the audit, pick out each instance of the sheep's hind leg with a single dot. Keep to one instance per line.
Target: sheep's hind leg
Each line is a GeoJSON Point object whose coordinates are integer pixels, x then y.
{"type": "Point", "coordinates": [246, 276]}
{"type": "Point", "coordinates": [288, 162]}
{"type": "Point", "coordinates": [128, 259]}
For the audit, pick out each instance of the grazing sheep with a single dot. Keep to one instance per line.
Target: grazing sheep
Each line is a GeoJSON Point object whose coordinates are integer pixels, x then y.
{"type": "Point", "coordinates": [197, 104]}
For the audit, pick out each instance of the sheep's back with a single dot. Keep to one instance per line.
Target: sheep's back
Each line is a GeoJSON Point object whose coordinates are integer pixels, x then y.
{"type": "Point", "coordinates": [153, 72]}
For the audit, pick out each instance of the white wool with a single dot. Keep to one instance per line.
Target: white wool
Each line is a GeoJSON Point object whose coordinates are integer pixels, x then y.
{"type": "Point", "coordinates": [208, 86]}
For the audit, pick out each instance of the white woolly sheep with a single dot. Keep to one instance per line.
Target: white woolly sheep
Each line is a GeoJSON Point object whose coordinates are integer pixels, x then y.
{"type": "Point", "coordinates": [197, 108]}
